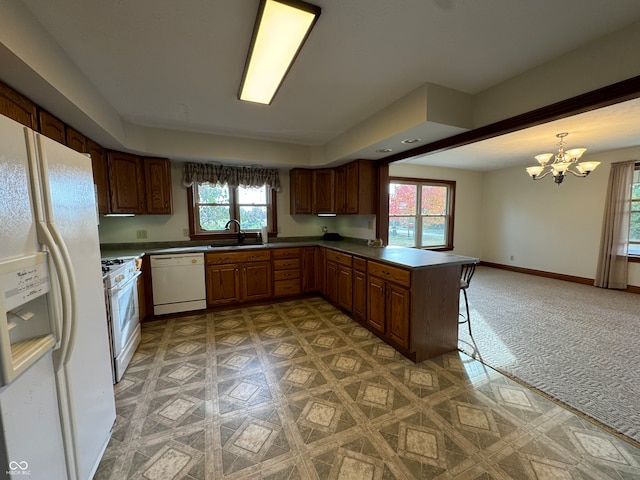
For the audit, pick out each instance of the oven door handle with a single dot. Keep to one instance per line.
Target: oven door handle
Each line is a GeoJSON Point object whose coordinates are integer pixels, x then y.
{"type": "Point", "coordinates": [125, 285]}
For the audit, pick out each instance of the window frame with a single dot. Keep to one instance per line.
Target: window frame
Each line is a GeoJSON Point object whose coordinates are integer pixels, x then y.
{"type": "Point", "coordinates": [196, 233]}
{"type": "Point", "coordinates": [634, 257]}
{"type": "Point", "coordinates": [449, 217]}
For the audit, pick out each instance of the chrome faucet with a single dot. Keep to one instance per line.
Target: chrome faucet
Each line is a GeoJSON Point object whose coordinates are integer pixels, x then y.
{"type": "Point", "coordinates": [240, 232]}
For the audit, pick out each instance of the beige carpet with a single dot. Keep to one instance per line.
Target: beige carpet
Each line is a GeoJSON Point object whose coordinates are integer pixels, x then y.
{"type": "Point", "coordinates": [576, 343]}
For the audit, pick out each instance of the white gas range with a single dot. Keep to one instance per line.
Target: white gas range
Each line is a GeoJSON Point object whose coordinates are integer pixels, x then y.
{"type": "Point", "coordinates": [121, 296]}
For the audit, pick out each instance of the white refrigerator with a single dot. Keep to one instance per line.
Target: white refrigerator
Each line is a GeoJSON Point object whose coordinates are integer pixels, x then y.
{"type": "Point", "coordinates": [57, 406]}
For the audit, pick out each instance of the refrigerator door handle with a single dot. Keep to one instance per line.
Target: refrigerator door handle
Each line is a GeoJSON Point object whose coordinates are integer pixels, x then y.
{"type": "Point", "coordinates": [47, 239]}
{"type": "Point", "coordinates": [69, 325]}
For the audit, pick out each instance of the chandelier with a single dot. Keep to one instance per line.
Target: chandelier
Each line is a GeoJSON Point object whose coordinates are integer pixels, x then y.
{"type": "Point", "coordinates": [564, 161]}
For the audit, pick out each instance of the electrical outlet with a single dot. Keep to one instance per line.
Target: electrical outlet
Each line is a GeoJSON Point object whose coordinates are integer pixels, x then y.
{"type": "Point", "coordinates": [141, 233]}
{"type": "Point", "coordinates": [185, 232]}
{"type": "Point", "coordinates": [370, 225]}
{"type": "Point", "coordinates": [511, 258]}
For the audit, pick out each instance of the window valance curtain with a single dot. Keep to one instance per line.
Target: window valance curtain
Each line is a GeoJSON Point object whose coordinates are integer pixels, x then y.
{"type": "Point", "coordinates": [233, 176]}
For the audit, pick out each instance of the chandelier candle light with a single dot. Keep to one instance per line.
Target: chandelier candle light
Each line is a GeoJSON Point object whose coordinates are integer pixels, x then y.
{"type": "Point", "coordinates": [564, 161]}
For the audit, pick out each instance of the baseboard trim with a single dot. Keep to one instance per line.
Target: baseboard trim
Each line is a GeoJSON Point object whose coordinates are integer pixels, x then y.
{"type": "Point", "coordinates": [556, 276]}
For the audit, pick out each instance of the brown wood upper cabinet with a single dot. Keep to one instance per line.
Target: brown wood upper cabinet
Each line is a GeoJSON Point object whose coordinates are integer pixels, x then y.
{"type": "Point", "coordinates": [157, 176]}
{"type": "Point", "coordinates": [126, 183]}
{"type": "Point", "coordinates": [301, 190]}
{"type": "Point", "coordinates": [349, 189]}
{"type": "Point", "coordinates": [75, 140]}
{"type": "Point", "coordinates": [139, 185]}
{"type": "Point", "coordinates": [361, 181]}
{"type": "Point", "coordinates": [324, 191]}
{"type": "Point", "coordinates": [341, 189]}
{"type": "Point", "coordinates": [51, 127]}
{"type": "Point", "coordinates": [17, 107]}
{"type": "Point", "coordinates": [100, 175]}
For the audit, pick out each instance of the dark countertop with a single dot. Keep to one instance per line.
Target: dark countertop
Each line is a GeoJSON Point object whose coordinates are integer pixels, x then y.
{"type": "Point", "coordinates": [400, 256]}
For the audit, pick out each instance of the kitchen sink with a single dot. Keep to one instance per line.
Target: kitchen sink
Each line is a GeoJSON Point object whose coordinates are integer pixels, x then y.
{"type": "Point", "coordinates": [235, 245]}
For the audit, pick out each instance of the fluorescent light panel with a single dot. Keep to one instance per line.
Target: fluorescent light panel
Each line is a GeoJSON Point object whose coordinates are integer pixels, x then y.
{"type": "Point", "coordinates": [281, 28]}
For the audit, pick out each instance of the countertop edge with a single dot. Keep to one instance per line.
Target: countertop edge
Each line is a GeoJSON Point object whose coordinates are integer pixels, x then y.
{"type": "Point", "coordinates": [404, 257]}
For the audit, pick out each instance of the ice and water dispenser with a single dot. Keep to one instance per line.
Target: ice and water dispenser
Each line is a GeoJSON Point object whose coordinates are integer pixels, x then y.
{"type": "Point", "coordinates": [27, 326]}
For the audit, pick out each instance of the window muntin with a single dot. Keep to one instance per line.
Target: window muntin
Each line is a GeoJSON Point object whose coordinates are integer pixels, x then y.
{"type": "Point", "coordinates": [420, 213]}
{"type": "Point", "coordinates": [214, 205]}
{"type": "Point", "coordinates": [634, 227]}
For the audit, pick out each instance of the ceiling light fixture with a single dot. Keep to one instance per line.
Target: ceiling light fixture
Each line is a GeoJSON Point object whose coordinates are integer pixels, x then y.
{"type": "Point", "coordinates": [281, 28]}
{"type": "Point", "coordinates": [409, 141]}
{"type": "Point", "coordinates": [384, 150]}
{"type": "Point", "coordinates": [564, 161]}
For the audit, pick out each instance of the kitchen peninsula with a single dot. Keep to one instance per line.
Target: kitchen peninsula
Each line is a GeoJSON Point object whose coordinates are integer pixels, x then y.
{"type": "Point", "coordinates": [407, 297]}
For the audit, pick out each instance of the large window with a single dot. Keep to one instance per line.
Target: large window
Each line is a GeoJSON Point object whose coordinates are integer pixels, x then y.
{"type": "Point", "coordinates": [634, 231]}
{"type": "Point", "coordinates": [421, 213]}
{"type": "Point", "coordinates": [214, 205]}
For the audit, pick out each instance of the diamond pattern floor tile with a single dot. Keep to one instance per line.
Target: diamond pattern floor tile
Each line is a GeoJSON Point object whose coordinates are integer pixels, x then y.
{"type": "Point", "coordinates": [299, 391]}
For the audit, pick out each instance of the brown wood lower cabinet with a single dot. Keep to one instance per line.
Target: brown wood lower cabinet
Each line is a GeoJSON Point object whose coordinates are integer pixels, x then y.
{"type": "Point", "coordinates": [397, 314]}
{"type": "Point", "coordinates": [360, 289]}
{"type": "Point", "coordinates": [413, 309]}
{"type": "Point", "coordinates": [321, 270]}
{"type": "Point", "coordinates": [376, 306]}
{"type": "Point", "coordinates": [308, 269]}
{"type": "Point", "coordinates": [345, 287]}
{"type": "Point", "coordinates": [223, 284]}
{"type": "Point", "coordinates": [389, 302]}
{"type": "Point", "coordinates": [256, 281]}
{"type": "Point", "coordinates": [339, 279]}
{"type": "Point", "coordinates": [286, 272]}
{"type": "Point", "coordinates": [142, 300]}
{"type": "Point", "coordinates": [238, 277]}
{"type": "Point", "coordinates": [331, 289]}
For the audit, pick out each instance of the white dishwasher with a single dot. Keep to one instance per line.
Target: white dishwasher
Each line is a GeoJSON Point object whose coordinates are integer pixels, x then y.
{"type": "Point", "coordinates": [178, 283]}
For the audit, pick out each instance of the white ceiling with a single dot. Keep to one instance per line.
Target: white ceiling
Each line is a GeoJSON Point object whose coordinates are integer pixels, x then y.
{"type": "Point", "coordinates": [177, 65]}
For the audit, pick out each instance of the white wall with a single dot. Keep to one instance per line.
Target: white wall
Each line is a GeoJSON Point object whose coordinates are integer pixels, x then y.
{"type": "Point", "coordinates": [467, 238]}
{"type": "Point", "coordinates": [548, 227]}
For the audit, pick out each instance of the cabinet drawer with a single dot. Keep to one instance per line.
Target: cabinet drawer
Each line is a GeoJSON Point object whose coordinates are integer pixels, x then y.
{"type": "Point", "coordinates": [238, 257]}
{"type": "Point", "coordinates": [286, 274]}
{"type": "Point", "coordinates": [286, 264]}
{"type": "Point", "coordinates": [393, 274]}
{"type": "Point", "coordinates": [341, 258]}
{"type": "Point", "coordinates": [359, 264]}
{"type": "Point", "coordinates": [286, 253]}
{"type": "Point", "coordinates": [286, 287]}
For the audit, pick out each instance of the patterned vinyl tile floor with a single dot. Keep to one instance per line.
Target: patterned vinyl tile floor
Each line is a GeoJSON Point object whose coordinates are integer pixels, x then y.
{"type": "Point", "coordinates": [298, 390]}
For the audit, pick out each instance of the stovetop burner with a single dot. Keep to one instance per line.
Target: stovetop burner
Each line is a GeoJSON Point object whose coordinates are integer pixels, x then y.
{"type": "Point", "coordinates": [116, 270]}
{"type": "Point", "coordinates": [114, 261]}
{"type": "Point", "coordinates": [109, 264]}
